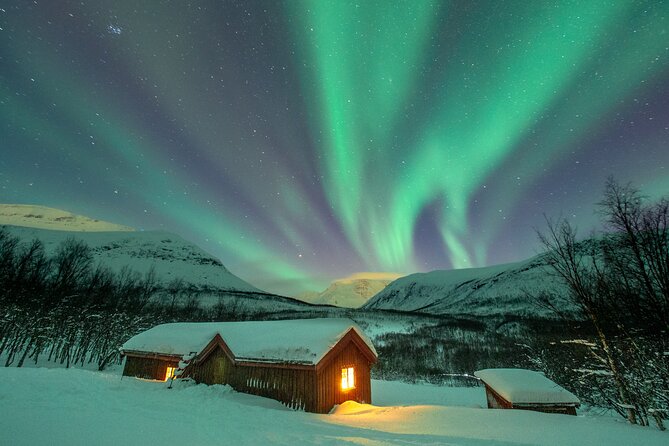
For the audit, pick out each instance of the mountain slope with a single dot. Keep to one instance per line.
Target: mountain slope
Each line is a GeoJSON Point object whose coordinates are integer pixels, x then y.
{"type": "Point", "coordinates": [180, 266]}
{"type": "Point", "coordinates": [507, 289]}
{"type": "Point", "coordinates": [352, 291]}
{"type": "Point", "coordinates": [170, 256]}
{"type": "Point", "coordinates": [117, 246]}
{"type": "Point", "coordinates": [43, 217]}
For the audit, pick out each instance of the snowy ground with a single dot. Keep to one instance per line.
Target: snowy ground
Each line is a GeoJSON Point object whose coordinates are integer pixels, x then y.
{"type": "Point", "coordinates": [79, 407]}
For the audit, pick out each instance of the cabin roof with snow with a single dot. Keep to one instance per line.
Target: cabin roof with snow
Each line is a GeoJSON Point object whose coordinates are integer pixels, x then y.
{"type": "Point", "coordinates": [520, 386]}
{"type": "Point", "coordinates": [303, 341]}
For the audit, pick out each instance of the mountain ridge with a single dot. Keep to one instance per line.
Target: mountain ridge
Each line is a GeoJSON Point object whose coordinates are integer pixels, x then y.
{"type": "Point", "coordinates": [499, 290]}
{"type": "Point", "coordinates": [171, 257]}
{"type": "Point", "coordinates": [43, 217]}
{"type": "Point", "coordinates": [352, 291]}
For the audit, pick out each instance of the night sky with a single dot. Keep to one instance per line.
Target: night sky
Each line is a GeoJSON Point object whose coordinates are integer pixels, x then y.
{"type": "Point", "coordinates": [302, 141]}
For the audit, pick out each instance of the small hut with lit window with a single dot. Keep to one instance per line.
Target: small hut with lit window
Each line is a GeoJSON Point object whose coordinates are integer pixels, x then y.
{"type": "Point", "coordinates": [307, 364]}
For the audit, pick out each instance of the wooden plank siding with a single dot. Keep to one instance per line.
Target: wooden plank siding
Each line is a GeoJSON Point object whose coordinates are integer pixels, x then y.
{"type": "Point", "coordinates": [148, 367]}
{"type": "Point", "coordinates": [329, 389]}
{"type": "Point", "coordinates": [496, 401]}
{"type": "Point", "coordinates": [215, 369]}
{"type": "Point", "coordinates": [291, 386]}
{"type": "Point", "coordinates": [309, 387]}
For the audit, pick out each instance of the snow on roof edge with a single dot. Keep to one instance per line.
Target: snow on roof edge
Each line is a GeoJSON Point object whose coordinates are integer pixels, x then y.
{"type": "Point", "coordinates": [521, 386]}
{"type": "Point", "coordinates": [298, 341]}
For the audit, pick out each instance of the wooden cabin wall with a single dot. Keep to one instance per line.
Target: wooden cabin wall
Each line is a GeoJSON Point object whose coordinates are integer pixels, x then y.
{"type": "Point", "coordinates": [329, 391]}
{"type": "Point", "coordinates": [495, 401]}
{"type": "Point", "coordinates": [565, 410]}
{"type": "Point", "coordinates": [215, 369]}
{"type": "Point", "coordinates": [148, 368]}
{"type": "Point", "coordinates": [293, 387]}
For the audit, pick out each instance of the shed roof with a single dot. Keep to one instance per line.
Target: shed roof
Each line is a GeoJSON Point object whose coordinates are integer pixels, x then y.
{"type": "Point", "coordinates": [304, 341]}
{"type": "Point", "coordinates": [520, 386]}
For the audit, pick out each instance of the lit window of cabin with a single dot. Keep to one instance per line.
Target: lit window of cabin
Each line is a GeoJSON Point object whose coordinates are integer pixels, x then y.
{"type": "Point", "coordinates": [169, 373]}
{"type": "Point", "coordinates": [347, 378]}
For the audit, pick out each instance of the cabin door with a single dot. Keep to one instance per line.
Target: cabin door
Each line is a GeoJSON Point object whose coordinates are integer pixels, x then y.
{"type": "Point", "coordinates": [221, 366]}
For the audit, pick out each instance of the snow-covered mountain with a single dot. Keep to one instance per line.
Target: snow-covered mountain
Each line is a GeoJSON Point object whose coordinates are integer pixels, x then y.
{"type": "Point", "coordinates": [117, 246]}
{"type": "Point", "coordinates": [352, 291]}
{"type": "Point", "coordinates": [43, 217]}
{"type": "Point", "coordinates": [508, 289]}
{"type": "Point", "coordinates": [173, 259]}
{"type": "Point", "coordinates": [169, 255]}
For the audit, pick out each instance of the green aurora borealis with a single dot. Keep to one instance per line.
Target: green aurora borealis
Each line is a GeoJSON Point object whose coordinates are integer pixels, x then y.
{"type": "Point", "coordinates": [301, 141]}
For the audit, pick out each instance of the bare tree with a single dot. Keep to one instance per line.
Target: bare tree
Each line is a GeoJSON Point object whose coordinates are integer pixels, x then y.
{"type": "Point", "coordinates": [618, 281]}
{"type": "Point", "coordinates": [566, 256]}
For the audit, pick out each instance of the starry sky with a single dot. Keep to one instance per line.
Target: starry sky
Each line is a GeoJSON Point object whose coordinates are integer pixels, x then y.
{"type": "Point", "coordinates": [302, 141]}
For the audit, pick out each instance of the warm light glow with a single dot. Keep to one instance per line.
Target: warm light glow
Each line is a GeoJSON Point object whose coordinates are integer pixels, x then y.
{"type": "Point", "coordinates": [170, 372]}
{"type": "Point", "coordinates": [347, 378]}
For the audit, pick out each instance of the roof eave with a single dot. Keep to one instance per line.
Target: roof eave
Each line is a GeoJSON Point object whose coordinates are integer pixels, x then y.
{"type": "Point", "coordinates": [569, 404]}
{"type": "Point", "coordinates": [352, 335]}
{"type": "Point", "coordinates": [152, 355]}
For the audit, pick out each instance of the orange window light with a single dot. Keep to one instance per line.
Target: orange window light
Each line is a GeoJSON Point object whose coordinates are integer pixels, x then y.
{"type": "Point", "coordinates": [347, 378]}
{"type": "Point", "coordinates": [170, 372]}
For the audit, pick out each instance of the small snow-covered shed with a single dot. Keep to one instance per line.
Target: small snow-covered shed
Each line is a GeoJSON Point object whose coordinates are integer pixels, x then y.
{"type": "Point", "coordinates": [526, 389]}
{"type": "Point", "coordinates": [309, 364]}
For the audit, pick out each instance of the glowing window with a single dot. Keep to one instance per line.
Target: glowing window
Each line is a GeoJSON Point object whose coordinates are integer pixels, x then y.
{"type": "Point", "coordinates": [347, 378]}
{"type": "Point", "coordinates": [170, 373]}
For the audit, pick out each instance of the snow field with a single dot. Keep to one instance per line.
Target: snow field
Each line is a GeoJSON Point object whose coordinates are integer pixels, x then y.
{"type": "Point", "coordinates": [78, 407]}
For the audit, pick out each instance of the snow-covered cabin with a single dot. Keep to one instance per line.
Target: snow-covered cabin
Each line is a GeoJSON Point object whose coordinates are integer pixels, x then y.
{"type": "Point", "coordinates": [309, 364]}
{"type": "Point", "coordinates": [526, 389]}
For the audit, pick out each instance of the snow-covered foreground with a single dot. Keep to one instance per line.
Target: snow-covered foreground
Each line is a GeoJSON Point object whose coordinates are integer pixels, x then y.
{"type": "Point", "coordinates": [78, 407]}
